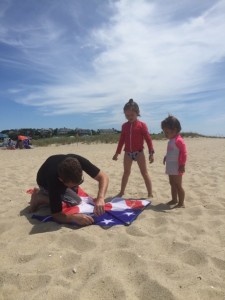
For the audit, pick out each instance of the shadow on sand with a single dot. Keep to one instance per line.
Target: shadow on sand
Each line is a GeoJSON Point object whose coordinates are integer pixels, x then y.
{"type": "Point", "coordinates": [39, 227]}
{"type": "Point", "coordinates": [43, 227]}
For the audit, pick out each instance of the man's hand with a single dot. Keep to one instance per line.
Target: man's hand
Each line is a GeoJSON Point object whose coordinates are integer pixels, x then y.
{"type": "Point", "coordinates": [99, 208]}
{"type": "Point", "coordinates": [82, 219]}
{"type": "Point", "coordinates": [103, 182]}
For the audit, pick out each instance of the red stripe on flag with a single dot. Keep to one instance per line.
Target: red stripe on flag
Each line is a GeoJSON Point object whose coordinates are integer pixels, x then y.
{"type": "Point", "coordinates": [134, 203]}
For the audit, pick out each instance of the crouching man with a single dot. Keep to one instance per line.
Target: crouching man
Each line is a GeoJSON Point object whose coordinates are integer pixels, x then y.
{"type": "Point", "coordinates": [58, 180]}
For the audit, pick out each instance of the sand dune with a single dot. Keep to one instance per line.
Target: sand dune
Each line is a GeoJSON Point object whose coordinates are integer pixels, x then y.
{"type": "Point", "coordinates": [164, 254]}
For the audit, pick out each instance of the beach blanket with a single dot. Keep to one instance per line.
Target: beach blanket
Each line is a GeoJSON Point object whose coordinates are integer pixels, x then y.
{"type": "Point", "coordinates": [118, 211]}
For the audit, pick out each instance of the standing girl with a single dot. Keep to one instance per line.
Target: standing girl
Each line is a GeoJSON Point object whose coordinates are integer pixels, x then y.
{"type": "Point", "coordinates": [175, 159]}
{"type": "Point", "coordinates": [133, 134]}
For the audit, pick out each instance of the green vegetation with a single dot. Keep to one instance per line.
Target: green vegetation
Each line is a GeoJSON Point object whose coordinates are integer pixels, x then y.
{"type": "Point", "coordinates": [97, 139]}
{"type": "Point", "coordinates": [45, 137]}
{"type": "Point", "coordinates": [87, 139]}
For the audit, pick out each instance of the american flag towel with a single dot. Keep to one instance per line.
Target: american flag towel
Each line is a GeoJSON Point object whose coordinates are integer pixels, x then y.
{"type": "Point", "coordinates": [118, 211]}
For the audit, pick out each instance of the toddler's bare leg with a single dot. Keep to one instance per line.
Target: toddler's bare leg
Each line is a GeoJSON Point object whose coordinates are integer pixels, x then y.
{"type": "Point", "coordinates": [173, 190]}
{"type": "Point", "coordinates": [180, 191]}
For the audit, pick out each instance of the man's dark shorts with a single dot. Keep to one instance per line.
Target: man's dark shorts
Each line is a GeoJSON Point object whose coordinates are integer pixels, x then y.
{"type": "Point", "coordinates": [70, 196]}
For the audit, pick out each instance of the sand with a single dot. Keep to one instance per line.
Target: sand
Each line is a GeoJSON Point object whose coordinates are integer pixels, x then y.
{"type": "Point", "coordinates": [164, 254]}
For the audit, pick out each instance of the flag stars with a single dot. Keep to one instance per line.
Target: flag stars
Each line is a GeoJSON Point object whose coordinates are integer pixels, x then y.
{"type": "Point", "coordinates": [129, 213]}
{"type": "Point", "coordinates": [107, 221]}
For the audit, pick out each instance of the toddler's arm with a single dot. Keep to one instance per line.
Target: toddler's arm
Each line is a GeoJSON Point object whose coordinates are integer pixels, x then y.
{"type": "Point", "coordinates": [183, 152]}
{"type": "Point", "coordinates": [181, 168]}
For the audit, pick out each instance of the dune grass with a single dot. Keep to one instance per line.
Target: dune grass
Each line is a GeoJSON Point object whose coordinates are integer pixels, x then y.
{"type": "Point", "coordinates": [96, 139]}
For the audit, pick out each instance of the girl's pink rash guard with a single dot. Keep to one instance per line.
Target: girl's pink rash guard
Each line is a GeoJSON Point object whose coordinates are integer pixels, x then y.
{"type": "Point", "coordinates": [133, 136]}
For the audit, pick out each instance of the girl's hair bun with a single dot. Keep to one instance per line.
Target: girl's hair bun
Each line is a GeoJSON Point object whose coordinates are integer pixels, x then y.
{"type": "Point", "coordinates": [131, 105]}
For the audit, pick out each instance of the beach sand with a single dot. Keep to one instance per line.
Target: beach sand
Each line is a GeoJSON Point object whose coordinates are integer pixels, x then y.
{"type": "Point", "coordinates": [164, 254]}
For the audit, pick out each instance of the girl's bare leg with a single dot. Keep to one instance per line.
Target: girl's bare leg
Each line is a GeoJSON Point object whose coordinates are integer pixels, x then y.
{"type": "Point", "coordinates": [127, 163]}
{"type": "Point", "coordinates": [144, 172]}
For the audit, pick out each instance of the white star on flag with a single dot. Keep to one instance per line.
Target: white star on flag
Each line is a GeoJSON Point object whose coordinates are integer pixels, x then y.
{"type": "Point", "coordinates": [128, 213]}
{"type": "Point", "coordinates": [107, 221]}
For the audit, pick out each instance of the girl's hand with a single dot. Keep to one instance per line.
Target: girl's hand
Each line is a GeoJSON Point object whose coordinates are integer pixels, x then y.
{"type": "Point", "coordinates": [151, 158]}
{"type": "Point", "coordinates": [115, 156]}
{"type": "Point", "coordinates": [164, 160]}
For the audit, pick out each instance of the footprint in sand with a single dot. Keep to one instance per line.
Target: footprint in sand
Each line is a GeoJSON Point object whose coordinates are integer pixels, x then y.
{"type": "Point", "coordinates": [135, 231]}
{"type": "Point", "coordinates": [4, 227]}
{"type": "Point", "coordinates": [58, 260]}
{"type": "Point", "coordinates": [25, 282]}
{"type": "Point", "coordinates": [218, 263]}
{"type": "Point", "coordinates": [211, 293]}
{"type": "Point", "coordinates": [77, 242]}
{"type": "Point", "coordinates": [107, 287]}
{"type": "Point", "coordinates": [23, 259]}
{"type": "Point", "coordinates": [125, 259]}
{"type": "Point", "coordinates": [193, 257]}
{"type": "Point", "coordinates": [147, 288]}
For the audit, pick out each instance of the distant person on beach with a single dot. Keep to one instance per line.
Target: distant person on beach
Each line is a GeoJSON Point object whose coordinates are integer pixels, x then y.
{"type": "Point", "coordinates": [19, 144]}
{"type": "Point", "coordinates": [58, 179]}
{"type": "Point", "coordinates": [175, 159]}
{"type": "Point", "coordinates": [10, 144]}
{"type": "Point", "coordinates": [133, 134]}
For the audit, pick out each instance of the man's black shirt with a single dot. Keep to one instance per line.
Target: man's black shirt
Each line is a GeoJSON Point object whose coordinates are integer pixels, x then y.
{"type": "Point", "coordinates": [47, 177]}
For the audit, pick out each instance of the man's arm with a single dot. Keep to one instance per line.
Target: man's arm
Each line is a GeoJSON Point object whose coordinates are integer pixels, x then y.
{"type": "Point", "coordinates": [80, 219]}
{"type": "Point", "coordinates": [103, 182]}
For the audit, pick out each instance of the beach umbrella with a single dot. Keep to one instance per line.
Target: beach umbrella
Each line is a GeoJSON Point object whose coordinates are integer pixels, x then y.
{"type": "Point", "coordinates": [3, 136]}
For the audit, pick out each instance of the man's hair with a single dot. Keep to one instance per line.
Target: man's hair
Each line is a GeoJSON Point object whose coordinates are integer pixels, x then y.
{"type": "Point", "coordinates": [131, 105]}
{"type": "Point", "coordinates": [171, 123]}
{"type": "Point", "coordinates": [69, 170]}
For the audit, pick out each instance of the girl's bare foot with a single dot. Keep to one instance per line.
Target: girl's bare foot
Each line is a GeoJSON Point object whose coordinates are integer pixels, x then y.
{"type": "Point", "coordinates": [172, 202]}
{"type": "Point", "coordinates": [179, 205]}
{"type": "Point", "coordinates": [120, 195]}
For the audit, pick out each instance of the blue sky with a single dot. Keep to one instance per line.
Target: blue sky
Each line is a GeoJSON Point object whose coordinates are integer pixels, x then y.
{"type": "Point", "coordinates": [75, 63]}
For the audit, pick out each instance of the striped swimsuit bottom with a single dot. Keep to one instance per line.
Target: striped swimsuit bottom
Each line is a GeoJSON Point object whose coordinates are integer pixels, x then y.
{"type": "Point", "coordinates": [133, 155]}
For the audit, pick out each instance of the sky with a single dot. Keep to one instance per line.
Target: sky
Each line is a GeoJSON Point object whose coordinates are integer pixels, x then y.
{"type": "Point", "coordinates": [75, 63]}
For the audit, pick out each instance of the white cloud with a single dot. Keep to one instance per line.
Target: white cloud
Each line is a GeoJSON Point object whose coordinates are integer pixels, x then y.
{"type": "Point", "coordinates": [145, 51]}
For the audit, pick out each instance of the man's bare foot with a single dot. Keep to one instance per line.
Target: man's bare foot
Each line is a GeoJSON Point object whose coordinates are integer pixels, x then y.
{"type": "Point", "coordinates": [150, 196]}
{"type": "Point", "coordinates": [34, 200]}
{"type": "Point", "coordinates": [172, 202]}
